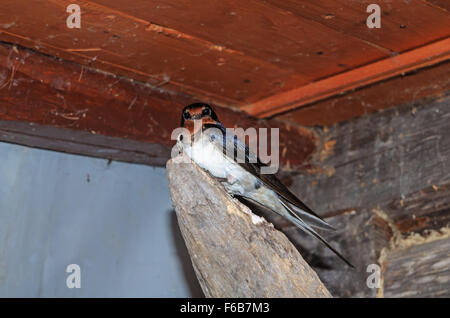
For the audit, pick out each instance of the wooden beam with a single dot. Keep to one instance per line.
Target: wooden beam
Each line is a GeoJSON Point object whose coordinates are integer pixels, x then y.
{"type": "Point", "coordinates": [404, 25]}
{"type": "Point", "coordinates": [158, 43]}
{"type": "Point", "coordinates": [443, 4]}
{"type": "Point", "coordinates": [282, 45]}
{"type": "Point", "coordinates": [383, 181]}
{"type": "Point", "coordinates": [420, 270]}
{"type": "Point", "coordinates": [429, 82]}
{"type": "Point", "coordinates": [83, 143]}
{"type": "Point", "coordinates": [55, 104]}
{"type": "Point", "coordinates": [415, 59]}
{"type": "Point", "coordinates": [234, 252]}
{"type": "Point", "coordinates": [421, 212]}
{"type": "Point", "coordinates": [380, 158]}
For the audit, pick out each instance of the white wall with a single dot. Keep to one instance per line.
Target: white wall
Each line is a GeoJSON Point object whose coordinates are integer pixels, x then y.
{"type": "Point", "coordinates": [115, 221]}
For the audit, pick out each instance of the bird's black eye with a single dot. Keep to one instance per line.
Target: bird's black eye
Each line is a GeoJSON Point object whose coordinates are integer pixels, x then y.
{"type": "Point", "coordinates": [206, 112]}
{"type": "Point", "coordinates": [186, 115]}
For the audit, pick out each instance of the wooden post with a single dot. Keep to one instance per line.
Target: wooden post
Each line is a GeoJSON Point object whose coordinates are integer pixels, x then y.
{"type": "Point", "coordinates": [234, 252]}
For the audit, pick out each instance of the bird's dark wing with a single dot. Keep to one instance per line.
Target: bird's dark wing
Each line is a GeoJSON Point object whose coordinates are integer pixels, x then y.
{"type": "Point", "coordinates": [253, 165]}
{"type": "Point", "coordinates": [305, 227]}
{"type": "Point", "coordinates": [298, 222]}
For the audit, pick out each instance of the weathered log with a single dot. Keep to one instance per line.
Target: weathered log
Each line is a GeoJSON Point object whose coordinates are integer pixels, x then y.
{"type": "Point", "coordinates": [420, 269]}
{"type": "Point", "coordinates": [385, 178]}
{"type": "Point", "coordinates": [234, 252]}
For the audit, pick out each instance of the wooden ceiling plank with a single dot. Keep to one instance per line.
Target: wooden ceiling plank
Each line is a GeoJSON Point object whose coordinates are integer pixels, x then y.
{"type": "Point", "coordinates": [230, 53]}
{"type": "Point", "coordinates": [260, 30]}
{"type": "Point", "coordinates": [427, 83]}
{"type": "Point", "coordinates": [130, 47]}
{"type": "Point", "coordinates": [404, 24]}
{"type": "Point", "coordinates": [338, 84]}
{"type": "Point", "coordinates": [442, 4]}
{"type": "Point", "coordinates": [64, 106]}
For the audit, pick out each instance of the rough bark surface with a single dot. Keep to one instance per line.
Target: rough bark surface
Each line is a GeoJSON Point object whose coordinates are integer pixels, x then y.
{"type": "Point", "coordinates": [234, 252]}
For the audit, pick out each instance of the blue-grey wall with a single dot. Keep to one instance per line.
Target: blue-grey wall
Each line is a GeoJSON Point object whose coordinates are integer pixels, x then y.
{"type": "Point", "coordinates": [113, 220]}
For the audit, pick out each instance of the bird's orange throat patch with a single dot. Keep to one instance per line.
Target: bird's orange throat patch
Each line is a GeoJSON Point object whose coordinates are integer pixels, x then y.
{"type": "Point", "coordinates": [197, 126]}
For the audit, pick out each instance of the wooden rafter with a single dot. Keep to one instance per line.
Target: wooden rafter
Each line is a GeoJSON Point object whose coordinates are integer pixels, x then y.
{"type": "Point", "coordinates": [362, 76]}
{"type": "Point", "coordinates": [260, 57]}
{"type": "Point", "coordinates": [64, 106]}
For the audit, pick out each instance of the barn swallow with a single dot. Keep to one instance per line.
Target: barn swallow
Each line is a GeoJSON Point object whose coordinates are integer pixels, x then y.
{"type": "Point", "coordinates": [207, 145]}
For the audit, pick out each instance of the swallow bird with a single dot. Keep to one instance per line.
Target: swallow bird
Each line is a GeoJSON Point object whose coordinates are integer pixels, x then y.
{"type": "Point", "coordinates": [207, 145]}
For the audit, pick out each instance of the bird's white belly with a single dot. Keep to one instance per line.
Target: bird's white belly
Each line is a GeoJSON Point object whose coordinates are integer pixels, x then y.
{"type": "Point", "coordinates": [209, 158]}
{"type": "Point", "coordinates": [237, 181]}
{"type": "Point", "coordinates": [212, 159]}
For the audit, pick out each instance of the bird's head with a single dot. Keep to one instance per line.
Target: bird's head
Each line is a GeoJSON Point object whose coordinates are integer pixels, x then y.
{"type": "Point", "coordinates": [203, 113]}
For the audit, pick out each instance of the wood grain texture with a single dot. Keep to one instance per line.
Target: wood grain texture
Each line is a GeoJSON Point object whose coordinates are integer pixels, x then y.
{"type": "Point", "coordinates": [383, 183]}
{"type": "Point", "coordinates": [51, 93]}
{"type": "Point", "coordinates": [422, 211]}
{"type": "Point", "coordinates": [381, 157]}
{"type": "Point", "coordinates": [408, 88]}
{"type": "Point", "coordinates": [230, 53]}
{"type": "Point", "coordinates": [259, 30]}
{"type": "Point", "coordinates": [232, 254]}
{"type": "Point", "coordinates": [83, 143]}
{"type": "Point", "coordinates": [419, 271]}
{"type": "Point", "coordinates": [342, 83]}
{"type": "Point", "coordinates": [442, 4]}
{"type": "Point", "coordinates": [134, 46]}
{"type": "Point", "coordinates": [404, 24]}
